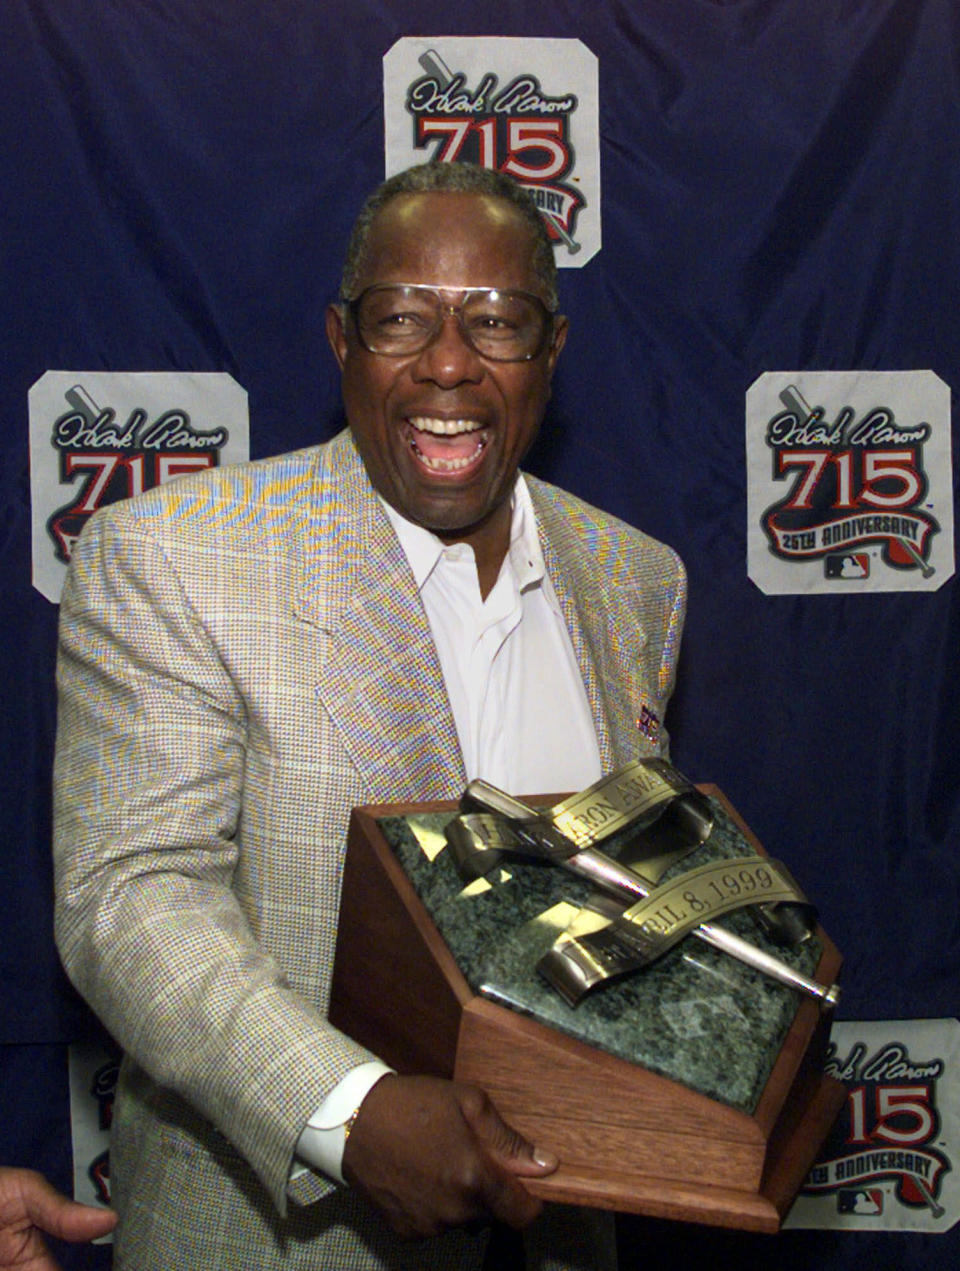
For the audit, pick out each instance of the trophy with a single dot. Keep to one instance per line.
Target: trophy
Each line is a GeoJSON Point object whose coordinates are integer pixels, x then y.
{"type": "Point", "coordinates": [632, 980]}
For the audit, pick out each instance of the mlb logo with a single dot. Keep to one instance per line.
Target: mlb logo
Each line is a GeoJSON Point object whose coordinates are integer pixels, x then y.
{"type": "Point", "coordinates": [860, 1200]}
{"type": "Point", "coordinates": [847, 565]}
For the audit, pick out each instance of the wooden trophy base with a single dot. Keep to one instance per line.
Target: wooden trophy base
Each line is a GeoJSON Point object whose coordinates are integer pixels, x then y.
{"type": "Point", "coordinates": [628, 1139]}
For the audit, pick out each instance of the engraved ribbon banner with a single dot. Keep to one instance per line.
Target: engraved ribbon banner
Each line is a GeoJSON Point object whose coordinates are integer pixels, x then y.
{"type": "Point", "coordinates": [639, 796]}
{"type": "Point", "coordinates": [624, 798]}
{"type": "Point", "coordinates": [648, 929]}
{"type": "Point", "coordinates": [670, 818]}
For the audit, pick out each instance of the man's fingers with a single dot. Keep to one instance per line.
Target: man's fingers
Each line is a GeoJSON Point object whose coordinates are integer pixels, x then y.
{"type": "Point", "coordinates": [511, 1158]}
{"type": "Point", "coordinates": [506, 1199]}
{"type": "Point", "coordinates": [64, 1218]}
{"type": "Point", "coordinates": [433, 1154]}
{"type": "Point", "coordinates": [507, 1146]}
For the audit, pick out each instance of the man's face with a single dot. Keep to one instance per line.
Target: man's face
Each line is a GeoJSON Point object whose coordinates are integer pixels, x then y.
{"type": "Point", "coordinates": [442, 432]}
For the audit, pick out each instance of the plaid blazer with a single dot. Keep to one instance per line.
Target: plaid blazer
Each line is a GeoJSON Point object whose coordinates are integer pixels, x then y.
{"type": "Point", "coordinates": [244, 657]}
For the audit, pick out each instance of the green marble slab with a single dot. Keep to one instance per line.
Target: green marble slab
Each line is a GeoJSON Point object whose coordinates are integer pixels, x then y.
{"type": "Point", "coordinates": [696, 1016]}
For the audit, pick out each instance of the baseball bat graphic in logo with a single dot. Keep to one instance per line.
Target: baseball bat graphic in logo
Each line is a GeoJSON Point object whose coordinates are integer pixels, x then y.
{"type": "Point", "coordinates": [794, 401]}
{"type": "Point", "coordinates": [83, 403]}
{"type": "Point", "coordinates": [571, 244]}
{"type": "Point", "coordinates": [920, 1184]}
{"type": "Point", "coordinates": [433, 64]}
{"type": "Point", "coordinates": [927, 570]}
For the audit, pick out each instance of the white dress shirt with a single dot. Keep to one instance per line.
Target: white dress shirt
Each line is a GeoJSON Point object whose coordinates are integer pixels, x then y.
{"type": "Point", "coordinates": [518, 701]}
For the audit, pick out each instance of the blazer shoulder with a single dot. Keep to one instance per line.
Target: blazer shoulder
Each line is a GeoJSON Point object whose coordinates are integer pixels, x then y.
{"type": "Point", "coordinates": [270, 499]}
{"type": "Point", "coordinates": [572, 524]}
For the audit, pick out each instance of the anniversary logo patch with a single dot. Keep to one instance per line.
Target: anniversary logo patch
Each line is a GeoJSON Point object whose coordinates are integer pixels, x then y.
{"type": "Point", "coordinates": [890, 1161]}
{"type": "Point", "coordinates": [849, 480]}
{"type": "Point", "coordinates": [96, 437]}
{"type": "Point", "coordinates": [525, 107]}
{"type": "Point", "coordinates": [93, 1071]}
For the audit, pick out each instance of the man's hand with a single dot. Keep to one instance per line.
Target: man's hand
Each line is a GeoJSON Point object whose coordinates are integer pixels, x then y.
{"type": "Point", "coordinates": [433, 1154]}
{"type": "Point", "coordinates": [29, 1206]}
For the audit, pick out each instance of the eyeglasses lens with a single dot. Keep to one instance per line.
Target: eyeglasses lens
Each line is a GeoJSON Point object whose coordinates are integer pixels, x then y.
{"type": "Point", "coordinates": [505, 326]}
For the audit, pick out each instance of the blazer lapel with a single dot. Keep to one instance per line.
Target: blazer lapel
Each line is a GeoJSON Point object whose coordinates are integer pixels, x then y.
{"type": "Point", "coordinates": [606, 629]}
{"type": "Point", "coordinates": [380, 682]}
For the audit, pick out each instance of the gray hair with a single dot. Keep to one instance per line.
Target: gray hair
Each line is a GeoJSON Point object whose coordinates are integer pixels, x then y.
{"type": "Point", "coordinates": [452, 178]}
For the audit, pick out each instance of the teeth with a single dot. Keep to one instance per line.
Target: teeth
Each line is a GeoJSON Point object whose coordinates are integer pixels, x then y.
{"type": "Point", "coordinates": [446, 465]}
{"type": "Point", "coordinates": [427, 426]}
{"type": "Point", "coordinates": [445, 427]}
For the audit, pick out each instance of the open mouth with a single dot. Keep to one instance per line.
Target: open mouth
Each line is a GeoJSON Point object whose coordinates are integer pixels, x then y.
{"type": "Point", "coordinates": [446, 445]}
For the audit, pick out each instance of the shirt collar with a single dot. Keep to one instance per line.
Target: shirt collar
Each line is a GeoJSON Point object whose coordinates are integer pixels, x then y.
{"type": "Point", "coordinates": [423, 549]}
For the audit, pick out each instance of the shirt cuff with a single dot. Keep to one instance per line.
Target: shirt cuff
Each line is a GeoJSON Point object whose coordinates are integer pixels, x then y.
{"type": "Point", "coordinates": [322, 1142]}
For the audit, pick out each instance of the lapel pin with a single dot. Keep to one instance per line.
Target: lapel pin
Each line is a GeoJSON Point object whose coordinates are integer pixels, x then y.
{"type": "Point", "coordinates": [648, 724]}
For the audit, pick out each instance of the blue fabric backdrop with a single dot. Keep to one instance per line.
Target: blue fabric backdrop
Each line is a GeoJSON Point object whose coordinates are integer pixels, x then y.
{"type": "Point", "coordinates": [781, 185]}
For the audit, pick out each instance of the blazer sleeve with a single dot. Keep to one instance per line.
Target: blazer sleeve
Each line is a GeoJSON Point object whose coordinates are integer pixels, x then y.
{"type": "Point", "coordinates": [148, 797]}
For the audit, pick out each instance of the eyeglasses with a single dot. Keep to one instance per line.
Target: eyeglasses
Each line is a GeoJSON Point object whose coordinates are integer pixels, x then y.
{"type": "Point", "coordinates": [398, 320]}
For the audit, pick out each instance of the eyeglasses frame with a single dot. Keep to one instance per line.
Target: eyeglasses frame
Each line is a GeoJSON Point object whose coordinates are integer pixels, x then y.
{"type": "Point", "coordinates": [455, 310]}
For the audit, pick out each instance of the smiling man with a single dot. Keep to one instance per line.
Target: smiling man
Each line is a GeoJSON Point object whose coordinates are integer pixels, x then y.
{"type": "Point", "coordinates": [247, 655]}
{"type": "Point", "coordinates": [445, 383]}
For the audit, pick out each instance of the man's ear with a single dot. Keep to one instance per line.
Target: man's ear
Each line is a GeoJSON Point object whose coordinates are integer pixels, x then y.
{"type": "Point", "coordinates": [336, 333]}
{"type": "Point", "coordinates": [561, 326]}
